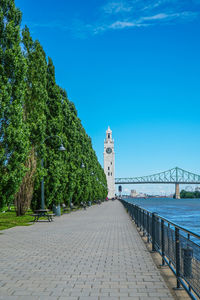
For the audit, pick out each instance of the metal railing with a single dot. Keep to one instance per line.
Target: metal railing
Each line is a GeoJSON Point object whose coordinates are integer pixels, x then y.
{"type": "Point", "coordinates": [178, 246]}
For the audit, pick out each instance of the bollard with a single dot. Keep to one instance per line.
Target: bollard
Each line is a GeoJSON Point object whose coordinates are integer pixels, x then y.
{"type": "Point", "coordinates": [187, 254]}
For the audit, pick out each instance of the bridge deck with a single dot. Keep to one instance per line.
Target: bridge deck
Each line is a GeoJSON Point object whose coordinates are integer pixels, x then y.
{"type": "Point", "coordinates": [94, 254]}
{"type": "Point", "coordinates": [175, 175]}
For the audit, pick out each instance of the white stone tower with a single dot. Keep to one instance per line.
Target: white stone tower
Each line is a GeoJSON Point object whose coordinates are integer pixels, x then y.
{"type": "Point", "coordinates": [109, 162]}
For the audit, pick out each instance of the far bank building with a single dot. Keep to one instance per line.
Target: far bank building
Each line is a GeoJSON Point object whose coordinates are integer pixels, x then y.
{"type": "Point", "coordinates": [109, 162]}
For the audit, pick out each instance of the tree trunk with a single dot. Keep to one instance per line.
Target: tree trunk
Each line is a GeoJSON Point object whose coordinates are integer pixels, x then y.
{"type": "Point", "coordinates": [24, 195]}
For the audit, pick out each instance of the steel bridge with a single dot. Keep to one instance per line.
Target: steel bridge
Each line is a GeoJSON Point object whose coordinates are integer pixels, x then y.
{"type": "Point", "coordinates": [176, 176]}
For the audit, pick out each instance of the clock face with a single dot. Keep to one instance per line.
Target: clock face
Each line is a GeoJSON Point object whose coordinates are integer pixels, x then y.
{"type": "Point", "coordinates": [109, 150]}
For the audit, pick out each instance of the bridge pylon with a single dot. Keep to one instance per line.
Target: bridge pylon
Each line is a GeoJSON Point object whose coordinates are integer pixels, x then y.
{"type": "Point", "coordinates": [177, 191]}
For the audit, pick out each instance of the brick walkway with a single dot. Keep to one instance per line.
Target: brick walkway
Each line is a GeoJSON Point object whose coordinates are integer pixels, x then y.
{"type": "Point", "coordinates": [93, 254]}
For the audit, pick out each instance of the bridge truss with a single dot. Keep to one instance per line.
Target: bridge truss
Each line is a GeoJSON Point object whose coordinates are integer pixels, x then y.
{"type": "Point", "coordinates": [175, 175]}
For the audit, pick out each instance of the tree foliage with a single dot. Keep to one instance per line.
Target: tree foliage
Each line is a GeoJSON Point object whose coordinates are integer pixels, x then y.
{"type": "Point", "coordinates": [14, 135]}
{"type": "Point", "coordinates": [36, 117]}
{"type": "Point", "coordinates": [189, 195]}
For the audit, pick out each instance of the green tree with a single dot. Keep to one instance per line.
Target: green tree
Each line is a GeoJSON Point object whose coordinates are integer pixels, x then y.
{"type": "Point", "coordinates": [86, 183]}
{"type": "Point", "coordinates": [14, 135]}
{"type": "Point", "coordinates": [54, 159]}
{"type": "Point", "coordinates": [34, 117]}
{"type": "Point", "coordinates": [189, 195]}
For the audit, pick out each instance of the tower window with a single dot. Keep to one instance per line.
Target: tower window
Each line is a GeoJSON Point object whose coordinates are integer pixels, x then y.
{"type": "Point", "coordinates": [108, 168]}
{"type": "Point", "coordinates": [108, 173]}
{"type": "Point", "coordinates": [111, 174]}
{"type": "Point", "coordinates": [111, 163]}
{"type": "Point", "coordinates": [108, 135]}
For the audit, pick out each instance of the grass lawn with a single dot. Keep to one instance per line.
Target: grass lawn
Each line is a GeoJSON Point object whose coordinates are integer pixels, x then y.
{"type": "Point", "coordinates": [9, 219]}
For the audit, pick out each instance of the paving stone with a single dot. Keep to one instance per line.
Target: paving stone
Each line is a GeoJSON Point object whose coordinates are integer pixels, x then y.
{"type": "Point", "coordinates": [109, 298]}
{"type": "Point", "coordinates": [93, 254]}
{"type": "Point", "coordinates": [9, 297]}
{"type": "Point", "coordinates": [89, 298]}
{"type": "Point", "coordinates": [47, 298]}
{"type": "Point", "coordinates": [29, 298]}
{"type": "Point", "coordinates": [129, 298]}
{"type": "Point", "coordinates": [68, 298]}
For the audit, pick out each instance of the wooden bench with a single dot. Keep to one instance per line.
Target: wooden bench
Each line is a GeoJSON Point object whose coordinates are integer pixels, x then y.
{"type": "Point", "coordinates": [39, 215]}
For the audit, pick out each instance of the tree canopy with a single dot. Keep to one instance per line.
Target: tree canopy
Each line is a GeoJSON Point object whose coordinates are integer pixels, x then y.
{"type": "Point", "coordinates": [36, 117]}
{"type": "Point", "coordinates": [189, 195]}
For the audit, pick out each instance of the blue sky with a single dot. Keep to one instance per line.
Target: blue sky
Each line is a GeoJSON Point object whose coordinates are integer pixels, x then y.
{"type": "Point", "coordinates": [133, 65]}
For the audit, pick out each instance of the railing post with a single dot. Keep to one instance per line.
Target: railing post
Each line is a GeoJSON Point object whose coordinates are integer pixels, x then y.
{"type": "Point", "coordinates": [143, 217]}
{"type": "Point", "coordinates": [177, 241]}
{"type": "Point", "coordinates": [148, 227]}
{"type": "Point", "coordinates": [140, 212]}
{"type": "Point", "coordinates": [168, 245]}
{"type": "Point", "coordinates": [163, 242]}
{"type": "Point", "coordinates": [132, 211]}
{"type": "Point", "coordinates": [134, 215]}
{"type": "Point", "coordinates": [138, 221]}
{"type": "Point", "coordinates": [138, 216]}
{"type": "Point", "coordinates": [153, 234]}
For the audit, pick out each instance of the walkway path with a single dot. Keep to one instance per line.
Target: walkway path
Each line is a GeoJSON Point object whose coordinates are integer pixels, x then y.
{"type": "Point", "coordinates": [94, 254]}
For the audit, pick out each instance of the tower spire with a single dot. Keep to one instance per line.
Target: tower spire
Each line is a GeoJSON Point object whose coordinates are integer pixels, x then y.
{"type": "Point", "coordinates": [109, 163]}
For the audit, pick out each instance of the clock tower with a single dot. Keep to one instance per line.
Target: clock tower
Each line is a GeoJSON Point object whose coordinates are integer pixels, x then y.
{"type": "Point", "coordinates": [109, 162]}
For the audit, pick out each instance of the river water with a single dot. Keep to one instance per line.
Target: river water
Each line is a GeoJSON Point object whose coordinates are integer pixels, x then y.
{"type": "Point", "coordinates": [185, 212]}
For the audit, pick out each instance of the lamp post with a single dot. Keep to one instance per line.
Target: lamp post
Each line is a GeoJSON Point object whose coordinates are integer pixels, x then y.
{"type": "Point", "coordinates": [61, 148]}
